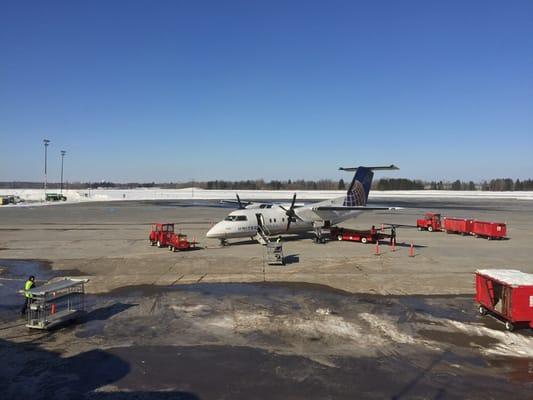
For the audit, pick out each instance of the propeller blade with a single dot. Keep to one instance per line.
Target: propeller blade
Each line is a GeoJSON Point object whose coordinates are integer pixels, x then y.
{"type": "Point", "coordinates": [288, 223]}
{"type": "Point", "coordinates": [293, 201]}
{"type": "Point", "coordinates": [239, 201]}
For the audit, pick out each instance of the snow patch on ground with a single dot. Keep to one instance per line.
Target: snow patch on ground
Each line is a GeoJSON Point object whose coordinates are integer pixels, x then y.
{"type": "Point", "coordinates": [325, 327]}
{"type": "Point", "coordinates": [510, 344]}
{"type": "Point", "coordinates": [190, 309]}
{"type": "Point", "coordinates": [388, 329]}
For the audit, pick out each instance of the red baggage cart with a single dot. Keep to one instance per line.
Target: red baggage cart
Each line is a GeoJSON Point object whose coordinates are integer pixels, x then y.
{"type": "Point", "coordinates": [507, 293]}
{"type": "Point", "coordinates": [458, 225]}
{"type": "Point", "coordinates": [490, 230]}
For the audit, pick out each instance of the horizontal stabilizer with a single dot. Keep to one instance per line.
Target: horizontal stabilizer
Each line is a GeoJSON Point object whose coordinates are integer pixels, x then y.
{"type": "Point", "coordinates": [378, 168]}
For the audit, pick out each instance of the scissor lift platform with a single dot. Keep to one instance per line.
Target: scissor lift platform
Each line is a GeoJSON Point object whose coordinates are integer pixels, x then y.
{"type": "Point", "coordinates": [56, 302]}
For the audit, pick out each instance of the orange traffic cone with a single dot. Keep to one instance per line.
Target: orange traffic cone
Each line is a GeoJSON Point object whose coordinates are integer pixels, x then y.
{"type": "Point", "coordinates": [377, 248]}
{"type": "Point", "coordinates": [412, 250]}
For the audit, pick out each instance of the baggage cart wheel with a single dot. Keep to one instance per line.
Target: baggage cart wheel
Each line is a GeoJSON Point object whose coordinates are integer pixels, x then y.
{"type": "Point", "coordinates": [339, 238]}
{"type": "Point", "coordinates": [509, 326]}
{"type": "Point", "coordinates": [430, 228]}
{"type": "Point", "coordinates": [159, 244]}
{"type": "Point", "coordinates": [364, 240]}
{"type": "Point", "coordinates": [482, 310]}
{"type": "Point", "coordinates": [152, 243]}
{"type": "Point", "coordinates": [170, 248]}
{"type": "Point", "coordinates": [489, 238]}
{"type": "Point", "coordinates": [419, 228]}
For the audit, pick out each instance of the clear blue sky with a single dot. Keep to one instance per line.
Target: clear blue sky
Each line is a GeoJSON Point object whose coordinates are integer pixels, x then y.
{"type": "Point", "coordinates": [173, 90]}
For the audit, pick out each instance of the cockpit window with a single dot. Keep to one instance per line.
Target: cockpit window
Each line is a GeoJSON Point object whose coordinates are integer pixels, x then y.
{"type": "Point", "coordinates": [236, 218]}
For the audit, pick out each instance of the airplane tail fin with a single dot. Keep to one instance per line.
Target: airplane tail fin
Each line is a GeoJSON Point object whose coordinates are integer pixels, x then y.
{"type": "Point", "coordinates": [357, 194]}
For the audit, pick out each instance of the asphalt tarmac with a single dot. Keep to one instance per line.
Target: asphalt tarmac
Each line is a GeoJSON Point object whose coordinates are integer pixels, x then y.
{"type": "Point", "coordinates": [338, 322]}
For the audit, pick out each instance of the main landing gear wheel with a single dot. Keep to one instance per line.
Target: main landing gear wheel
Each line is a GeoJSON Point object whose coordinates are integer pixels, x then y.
{"type": "Point", "coordinates": [364, 240]}
{"type": "Point", "coordinates": [482, 310]}
{"type": "Point", "coordinates": [509, 326]}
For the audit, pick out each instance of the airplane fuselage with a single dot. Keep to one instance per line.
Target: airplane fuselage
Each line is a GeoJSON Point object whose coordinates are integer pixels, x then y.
{"type": "Point", "coordinates": [245, 223]}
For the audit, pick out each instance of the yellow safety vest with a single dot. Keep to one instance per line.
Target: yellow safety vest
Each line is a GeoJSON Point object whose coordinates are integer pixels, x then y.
{"type": "Point", "coordinates": [27, 286]}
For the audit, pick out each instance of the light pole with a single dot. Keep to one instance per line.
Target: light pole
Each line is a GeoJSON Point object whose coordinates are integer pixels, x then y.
{"type": "Point", "coordinates": [46, 143]}
{"type": "Point", "coordinates": [63, 152]}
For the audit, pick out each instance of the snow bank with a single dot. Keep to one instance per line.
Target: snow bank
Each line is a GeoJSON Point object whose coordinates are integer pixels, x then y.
{"type": "Point", "coordinates": [37, 195]}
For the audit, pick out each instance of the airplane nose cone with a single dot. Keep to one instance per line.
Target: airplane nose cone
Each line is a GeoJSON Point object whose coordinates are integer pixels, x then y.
{"type": "Point", "coordinates": [214, 232]}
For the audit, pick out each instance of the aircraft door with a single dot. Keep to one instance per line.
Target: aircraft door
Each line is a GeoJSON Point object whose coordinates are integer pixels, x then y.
{"type": "Point", "coordinates": [260, 220]}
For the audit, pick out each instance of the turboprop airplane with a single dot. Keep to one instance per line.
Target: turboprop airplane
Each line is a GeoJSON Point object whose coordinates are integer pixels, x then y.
{"type": "Point", "coordinates": [259, 221]}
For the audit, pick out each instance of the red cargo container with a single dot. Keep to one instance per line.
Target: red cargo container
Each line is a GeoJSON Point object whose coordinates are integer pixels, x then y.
{"type": "Point", "coordinates": [490, 230]}
{"type": "Point", "coordinates": [507, 293]}
{"type": "Point", "coordinates": [458, 225]}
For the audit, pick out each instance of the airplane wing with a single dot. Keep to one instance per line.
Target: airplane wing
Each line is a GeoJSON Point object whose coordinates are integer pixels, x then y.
{"type": "Point", "coordinates": [353, 208]}
{"type": "Point", "coordinates": [243, 203]}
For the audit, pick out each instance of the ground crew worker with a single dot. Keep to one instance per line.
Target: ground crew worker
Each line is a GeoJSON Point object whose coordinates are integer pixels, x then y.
{"type": "Point", "coordinates": [373, 230]}
{"type": "Point", "coordinates": [393, 235]}
{"type": "Point", "coordinates": [30, 284]}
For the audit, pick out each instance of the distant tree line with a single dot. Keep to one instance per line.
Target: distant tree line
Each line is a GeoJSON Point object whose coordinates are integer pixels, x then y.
{"type": "Point", "coordinates": [494, 185]}
{"type": "Point", "coordinates": [399, 184]}
{"type": "Point", "coordinates": [501, 184]}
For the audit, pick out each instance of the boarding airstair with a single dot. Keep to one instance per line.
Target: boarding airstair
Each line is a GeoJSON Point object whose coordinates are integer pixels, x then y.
{"type": "Point", "coordinates": [262, 235]}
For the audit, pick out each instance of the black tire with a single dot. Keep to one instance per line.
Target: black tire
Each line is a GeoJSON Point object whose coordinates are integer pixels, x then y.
{"type": "Point", "coordinates": [509, 326]}
{"type": "Point", "coordinates": [364, 240]}
{"type": "Point", "coordinates": [482, 310]}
